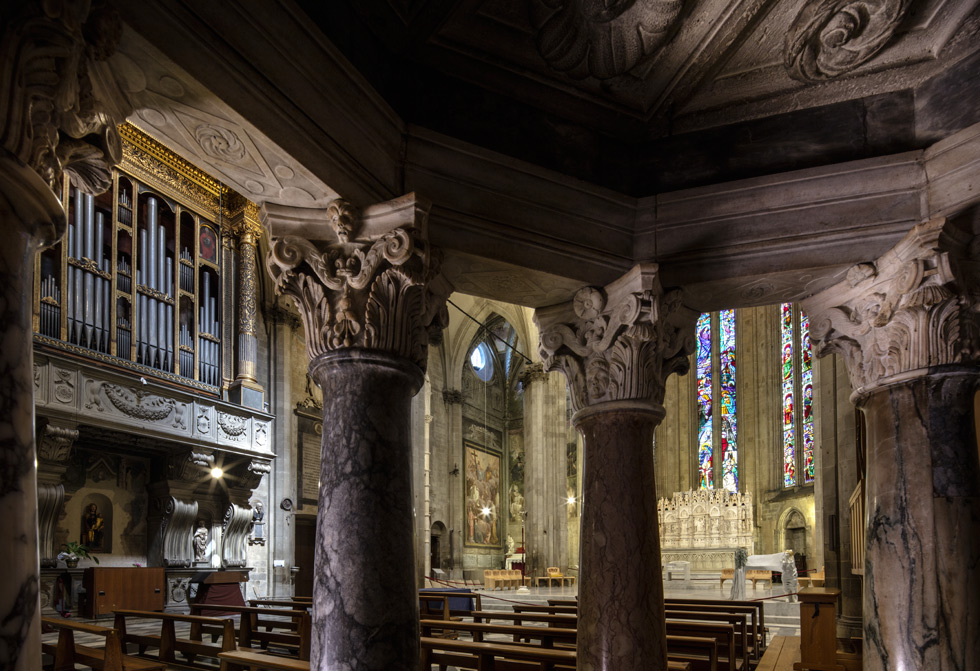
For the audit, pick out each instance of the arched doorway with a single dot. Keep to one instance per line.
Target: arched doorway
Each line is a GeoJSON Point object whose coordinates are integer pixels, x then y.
{"type": "Point", "coordinates": [436, 534]}
{"type": "Point", "coordinates": [794, 535]}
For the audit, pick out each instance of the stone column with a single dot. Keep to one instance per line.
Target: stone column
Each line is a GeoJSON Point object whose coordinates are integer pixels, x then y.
{"type": "Point", "coordinates": [244, 216]}
{"type": "Point", "coordinates": [617, 346]}
{"type": "Point", "coordinates": [546, 530]}
{"type": "Point", "coordinates": [908, 330]}
{"type": "Point", "coordinates": [370, 297]}
{"type": "Point", "coordinates": [55, 117]}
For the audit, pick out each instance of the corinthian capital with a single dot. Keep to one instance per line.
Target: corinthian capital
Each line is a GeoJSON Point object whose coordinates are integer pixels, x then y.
{"type": "Point", "coordinates": [360, 279]}
{"type": "Point", "coordinates": [60, 104]}
{"type": "Point", "coordinates": [619, 343]}
{"type": "Point", "coordinates": [916, 307]}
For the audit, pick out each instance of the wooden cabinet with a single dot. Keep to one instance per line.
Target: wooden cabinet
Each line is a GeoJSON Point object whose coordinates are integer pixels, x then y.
{"type": "Point", "coordinates": [111, 587]}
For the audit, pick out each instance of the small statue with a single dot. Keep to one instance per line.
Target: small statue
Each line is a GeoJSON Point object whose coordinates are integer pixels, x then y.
{"type": "Point", "coordinates": [258, 525]}
{"type": "Point", "coordinates": [201, 541]}
{"type": "Point", "coordinates": [511, 546]}
{"type": "Point", "coordinates": [93, 530]}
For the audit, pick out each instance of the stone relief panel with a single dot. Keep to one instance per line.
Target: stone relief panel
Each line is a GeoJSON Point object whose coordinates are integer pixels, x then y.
{"type": "Point", "coordinates": [706, 518]}
{"type": "Point", "coordinates": [111, 401]}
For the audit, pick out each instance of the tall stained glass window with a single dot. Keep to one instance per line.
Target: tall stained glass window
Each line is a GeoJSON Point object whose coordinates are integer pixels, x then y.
{"type": "Point", "coordinates": [729, 425]}
{"type": "Point", "coordinates": [705, 441]}
{"type": "Point", "coordinates": [797, 383]}
{"type": "Point", "coordinates": [789, 425]}
{"type": "Point", "coordinates": [717, 432]}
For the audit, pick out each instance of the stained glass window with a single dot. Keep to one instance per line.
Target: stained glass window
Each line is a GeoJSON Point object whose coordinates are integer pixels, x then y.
{"type": "Point", "coordinates": [729, 427]}
{"type": "Point", "coordinates": [789, 434]}
{"type": "Point", "coordinates": [705, 443]}
{"type": "Point", "coordinates": [806, 384]}
{"type": "Point", "coordinates": [797, 383]}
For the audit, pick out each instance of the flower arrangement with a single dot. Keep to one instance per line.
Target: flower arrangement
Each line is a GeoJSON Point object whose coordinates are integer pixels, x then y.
{"type": "Point", "coordinates": [73, 552]}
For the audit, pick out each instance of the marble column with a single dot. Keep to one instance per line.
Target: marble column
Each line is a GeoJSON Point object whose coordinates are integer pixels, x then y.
{"type": "Point", "coordinates": [58, 115]}
{"type": "Point", "coordinates": [546, 529]}
{"type": "Point", "coordinates": [371, 299]}
{"type": "Point", "coordinates": [907, 327]}
{"type": "Point", "coordinates": [617, 346]}
{"type": "Point", "coordinates": [244, 217]}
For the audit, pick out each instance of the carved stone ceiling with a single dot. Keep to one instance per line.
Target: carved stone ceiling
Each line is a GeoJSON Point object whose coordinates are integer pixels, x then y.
{"type": "Point", "coordinates": [654, 67]}
{"type": "Point", "coordinates": [176, 110]}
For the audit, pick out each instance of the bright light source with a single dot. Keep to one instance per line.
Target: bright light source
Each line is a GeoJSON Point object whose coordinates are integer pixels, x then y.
{"type": "Point", "coordinates": [216, 472]}
{"type": "Point", "coordinates": [486, 512]}
{"type": "Point", "coordinates": [571, 500]}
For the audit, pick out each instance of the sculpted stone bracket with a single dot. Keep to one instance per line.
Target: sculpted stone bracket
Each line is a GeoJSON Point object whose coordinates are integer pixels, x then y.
{"type": "Point", "coordinates": [367, 280]}
{"type": "Point", "coordinates": [54, 445]}
{"type": "Point", "coordinates": [61, 103]}
{"type": "Point", "coordinates": [915, 308]}
{"type": "Point", "coordinates": [618, 343]}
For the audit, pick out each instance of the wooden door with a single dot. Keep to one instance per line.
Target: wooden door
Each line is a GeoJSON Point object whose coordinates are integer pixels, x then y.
{"type": "Point", "coordinates": [305, 544]}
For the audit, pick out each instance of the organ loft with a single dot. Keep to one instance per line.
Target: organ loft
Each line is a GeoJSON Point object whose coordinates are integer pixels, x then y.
{"type": "Point", "coordinates": [325, 307]}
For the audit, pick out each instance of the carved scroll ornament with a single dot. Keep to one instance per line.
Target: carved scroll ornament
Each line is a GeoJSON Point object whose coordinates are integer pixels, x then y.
{"type": "Point", "coordinates": [374, 292]}
{"type": "Point", "coordinates": [620, 343]}
{"type": "Point", "coordinates": [832, 37]}
{"type": "Point", "coordinates": [917, 307]}
{"type": "Point", "coordinates": [55, 112]}
{"type": "Point", "coordinates": [601, 39]}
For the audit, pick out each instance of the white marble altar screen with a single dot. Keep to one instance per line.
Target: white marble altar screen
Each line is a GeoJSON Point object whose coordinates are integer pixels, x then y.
{"type": "Point", "coordinates": [705, 527]}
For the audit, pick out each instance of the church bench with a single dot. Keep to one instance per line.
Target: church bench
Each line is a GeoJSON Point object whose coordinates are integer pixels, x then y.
{"type": "Point", "coordinates": [726, 574]}
{"type": "Point", "coordinates": [293, 604]}
{"type": "Point", "coordinates": [756, 575]}
{"type": "Point", "coordinates": [739, 623]}
{"type": "Point", "coordinates": [167, 643]}
{"type": "Point", "coordinates": [754, 608]}
{"type": "Point", "coordinates": [722, 637]}
{"type": "Point", "coordinates": [783, 652]}
{"type": "Point", "coordinates": [536, 608]}
{"type": "Point", "coordinates": [458, 602]}
{"type": "Point", "coordinates": [287, 628]}
{"type": "Point", "coordinates": [755, 633]}
{"type": "Point", "coordinates": [551, 619]}
{"type": "Point", "coordinates": [548, 636]}
{"type": "Point", "coordinates": [563, 602]}
{"type": "Point", "coordinates": [815, 579]}
{"type": "Point", "coordinates": [236, 660]}
{"type": "Point", "coordinates": [110, 657]}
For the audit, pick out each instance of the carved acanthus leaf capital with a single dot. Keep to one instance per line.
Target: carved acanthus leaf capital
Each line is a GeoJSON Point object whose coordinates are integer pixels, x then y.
{"type": "Point", "coordinates": [619, 343]}
{"type": "Point", "coordinates": [917, 307]}
{"type": "Point", "coordinates": [360, 281]}
{"type": "Point", "coordinates": [54, 444]}
{"type": "Point", "coordinates": [533, 372]}
{"type": "Point", "coordinates": [61, 104]}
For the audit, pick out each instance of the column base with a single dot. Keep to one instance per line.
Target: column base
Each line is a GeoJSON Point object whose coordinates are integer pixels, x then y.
{"type": "Point", "coordinates": [248, 394]}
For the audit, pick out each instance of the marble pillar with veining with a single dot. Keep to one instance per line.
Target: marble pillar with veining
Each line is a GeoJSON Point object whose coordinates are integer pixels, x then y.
{"type": "Point", "coordinates": [908, 330]}
{"type": "Point", "coordinates": [371, 299]}
{"type": "Point", "coordinates": [545, 469]}
{"type": "Point", "coordinates": [616, 346]}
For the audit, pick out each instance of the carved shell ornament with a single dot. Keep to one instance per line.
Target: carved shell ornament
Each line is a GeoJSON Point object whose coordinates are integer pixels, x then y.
{"type": "Point", "coordinates": [832, 37]}
{"type": "Point", "coordinates": [601, 38]}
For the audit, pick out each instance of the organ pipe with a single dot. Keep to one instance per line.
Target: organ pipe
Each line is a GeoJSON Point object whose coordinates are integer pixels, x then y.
{"type": "Point", "coordinates": [142, 308]}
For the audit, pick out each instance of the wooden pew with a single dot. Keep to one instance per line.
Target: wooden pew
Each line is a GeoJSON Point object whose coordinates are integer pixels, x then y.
{"type": "Point", "coordinates": [236, 660]}
{"type": "Point", "coordinates": [549, 636]}
{"type": "Point", "coordinates": [782, 653]}
{"type": "Point", "coordinates": [455, 604]}
{"type": "Point", "coordinates": [722, 636]}
{"type": "Point", "coordinates": [755, 608]}
{"type": "Point", "coordinates": [551, 619]}
{"type": "Point", "coordinates": [292, 630]}
{"type": "Point", "coordinates": [503, 657]}
{"type": "Point", "coordinates": [110, 657]}
{"type": "Point", "coordinates": [535, 608]}
{"type": "Point", "coordinates": [738, 621]}
{"type": "Point", "coordinates": [292, 604]}
{"type": "Point", "coordinates": [168, 644]}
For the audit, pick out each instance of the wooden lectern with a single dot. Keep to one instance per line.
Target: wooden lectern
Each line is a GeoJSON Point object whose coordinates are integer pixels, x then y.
{"type": "Point", "coordinates": [818, 630]}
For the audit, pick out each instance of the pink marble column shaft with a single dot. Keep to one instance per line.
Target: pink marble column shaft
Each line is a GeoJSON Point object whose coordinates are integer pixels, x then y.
{"type": "Point", "coordinates": [365, 604]}
{"type": "Point", "coordinates": [621, 612]}
{"type": "Point", "coordinates": [29, 214]}
{"type": "Point", "coordinates": [922, 587]}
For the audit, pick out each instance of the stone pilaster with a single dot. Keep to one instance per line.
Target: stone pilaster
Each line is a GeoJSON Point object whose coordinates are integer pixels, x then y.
{"type": "Point", "coordinates": [370, 297]}
{"type": "Point", "coordinates": [545, 433]}
{"type": "Point", "coordinates": [57, 115]}
{"type": "Point", "coordinates": [54, 445]}
{"type": "Point", "coordinates": [244, 216]}
{"type": "Point", "coordinates": [907, 328]}
{"type": "Point", "coordinates": [617, 346]}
